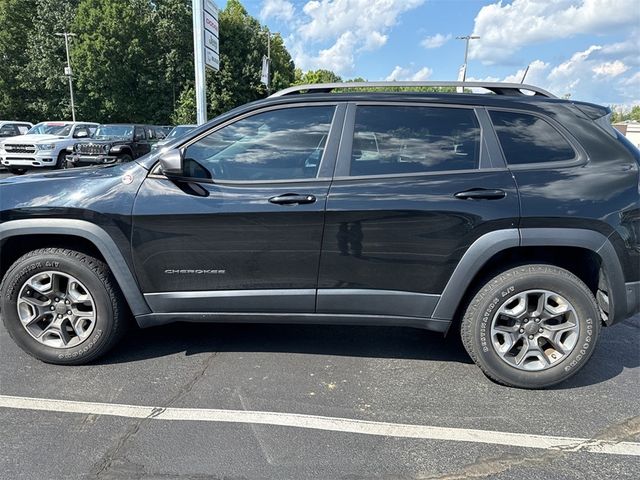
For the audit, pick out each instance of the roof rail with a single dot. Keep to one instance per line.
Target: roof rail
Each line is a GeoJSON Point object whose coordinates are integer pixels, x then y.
{"type": "Point", "coordinates": [512, 89]}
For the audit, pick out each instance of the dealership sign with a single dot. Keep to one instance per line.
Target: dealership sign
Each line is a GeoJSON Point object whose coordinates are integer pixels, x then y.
{"type": "Point", "coordinates": [211, 35]}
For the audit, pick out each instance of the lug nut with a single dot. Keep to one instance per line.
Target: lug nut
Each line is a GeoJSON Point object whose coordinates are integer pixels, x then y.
{"type": "Point", "coordinates": [59, 316]}
{"type": "Point", "coordinates": [530, 337]}
{"type": "Point", "coordinates": [68, 312]}
{"type": "Point", "coordinates": [67, 302]}
{"type": "Point", "coordinates": [522, 330]}
{"type": "Point", "coordinates": [52, 307]}
{"type": "Point", "coordinates": [57, 299]}
{"type": "Point", "coordinates": [526, 320]}
{"type": "Point", "coordinates": [541, 330]}
{"type": "Point", "coordinates": [537, 320]}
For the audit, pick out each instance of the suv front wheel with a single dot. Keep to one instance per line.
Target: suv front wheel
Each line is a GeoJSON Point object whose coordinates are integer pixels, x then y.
{"type": "Point", "coordinates": [62, 306]}
{"type": "Point", "coordinates": [532, 326]}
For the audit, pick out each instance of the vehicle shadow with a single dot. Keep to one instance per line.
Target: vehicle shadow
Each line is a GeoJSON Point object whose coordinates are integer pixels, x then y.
{"type": "Point", "coordinates": [353, 341]}
{"type": "Point", "coordinates": [617, 349]}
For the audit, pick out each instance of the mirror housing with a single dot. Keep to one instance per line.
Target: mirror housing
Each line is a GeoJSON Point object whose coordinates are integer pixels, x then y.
{"type": "Point", "coordinates": [81, 134]}
{"type": "Point", "coordinates": [171, 163]}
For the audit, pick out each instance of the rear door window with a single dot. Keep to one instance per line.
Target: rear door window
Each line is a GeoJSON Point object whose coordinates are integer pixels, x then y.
{"type": "Point", "coordinates": [529, 139]}
{"type": "Point", "coordinates": [391, 140]}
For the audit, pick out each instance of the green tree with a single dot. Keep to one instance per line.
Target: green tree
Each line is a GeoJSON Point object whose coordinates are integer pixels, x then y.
{"type": "Point", "coordinates": [116, 70]}
{"type": "Point", "coordinates": [16, 28]}
{"type": "Point", "coordinates": [185, 111]}
{"type": "Point", "coordinates": [619, 115]}
{"type": "Point", "coordinates": [173, 51]}
{"type": "Point", "coordinates": [315, 76]}
{"type": "Point", "coordinates": [43, 87]}
{"type": "Point", "coordinates": [243, 43]}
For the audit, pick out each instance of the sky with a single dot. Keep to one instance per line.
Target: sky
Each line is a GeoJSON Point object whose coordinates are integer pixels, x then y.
{"type": "Point", "coordinates": [589, 49]}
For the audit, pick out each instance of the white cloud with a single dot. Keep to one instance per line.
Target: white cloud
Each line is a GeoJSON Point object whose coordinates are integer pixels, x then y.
{"type": "Point", "coordinates": [435, 41]}
{"type": "Point", "coordinates": [632, 81]}
{"type": "Point", "coordinates": [504, 28]}
{"type": "Point", "coordinates": [339, 57]}
{"type": "Point", "coordinates": [349, 26]}
{"type": "Point", "coordinates": [278, 9]}
{"type": "Point", "coordinates": [374, 41]}
{"type": "Point", "coordinates": [613, 82]}
{"type": "Point", "coordinates": [610, 69]}
{"type": "Point", "coordinates": [400, 74]}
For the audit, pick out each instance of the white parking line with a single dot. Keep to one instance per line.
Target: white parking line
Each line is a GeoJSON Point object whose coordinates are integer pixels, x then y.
{"type": "Point", "coordinates": [331, 424]}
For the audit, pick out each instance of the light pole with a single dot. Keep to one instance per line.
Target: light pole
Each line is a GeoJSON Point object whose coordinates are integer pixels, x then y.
{"type": "Point", "coordinates": [466, 52]}
{"type": "Point", "coordinates": [67, 70]}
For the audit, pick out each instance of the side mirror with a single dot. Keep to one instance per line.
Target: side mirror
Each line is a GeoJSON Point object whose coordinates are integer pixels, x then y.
{"type": "Point", "coordinates": [81, 134]}
{"type": "Point", "coordinates": [171, 163]}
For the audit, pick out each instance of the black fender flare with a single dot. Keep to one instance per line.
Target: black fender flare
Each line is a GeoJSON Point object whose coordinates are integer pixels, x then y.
{"type": "Point", "coordinates": [488, 245]}
{"type": "Point", "coordinates": [94, 234]}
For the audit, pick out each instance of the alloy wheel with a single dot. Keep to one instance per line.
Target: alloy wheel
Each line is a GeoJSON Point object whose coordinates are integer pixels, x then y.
{"type": "Point", "coordinates": [534, 330]}
{"type": "Point", "coordinates": [56, 309]}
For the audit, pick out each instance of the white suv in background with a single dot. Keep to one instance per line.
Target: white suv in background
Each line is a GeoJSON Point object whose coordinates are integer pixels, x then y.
{"type": "Point", "coordinates": [44, 145]}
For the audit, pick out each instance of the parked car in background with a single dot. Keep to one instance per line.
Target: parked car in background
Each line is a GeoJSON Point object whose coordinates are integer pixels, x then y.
{"type": "Point", "coordinates": [175, 132]}
{"type": "Point", "coordinates": [11, 129]}
{"type": "Point", "coordinates": [112, 143]}
{"type": "Point", "coordinates": [44, 145]}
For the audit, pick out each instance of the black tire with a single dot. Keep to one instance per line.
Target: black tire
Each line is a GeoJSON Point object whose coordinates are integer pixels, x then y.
{"type": "Point", "coordinates": [124, 158]}
{"type": "Point", "coordinates": [111, 310]}
{"type": "Point", "coordinates": [476, 324]}
{"type": "Point", "coordinates": [62, 159]}
{"type": "Point", "coordinates": [16, 171]}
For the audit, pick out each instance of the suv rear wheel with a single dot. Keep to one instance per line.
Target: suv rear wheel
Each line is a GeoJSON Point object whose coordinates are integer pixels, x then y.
{"type": "Point", "coordinates": [62, 306]}
{"type": "Point", "coordinates": [532, 326]}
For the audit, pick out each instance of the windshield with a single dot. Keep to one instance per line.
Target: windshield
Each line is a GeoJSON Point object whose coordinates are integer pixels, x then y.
{"type": "Point", "coordinates": [178, 131]}
{"type": "Point", "coordinates": [50, 129]}
{"type": "Point", "coordinates": [109, 132]}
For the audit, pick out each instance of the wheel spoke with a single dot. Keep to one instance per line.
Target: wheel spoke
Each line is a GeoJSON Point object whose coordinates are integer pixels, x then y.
{"type": "Point", "coordinates": [42, 283]}
{"type": "Point", "coordinates": [560, 327]}
{"type": "Point", "coordinates": [506, 328]}
{"type": "Point", "coordinates": [540, 305]}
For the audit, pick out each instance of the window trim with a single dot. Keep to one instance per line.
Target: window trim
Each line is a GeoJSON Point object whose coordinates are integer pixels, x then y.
{"type": "Point", "coordinates": [580, 156]}
{"type": "Point", "coordinates": [325, 167]}
{"type": "Point", "coordinates": [343, 164]}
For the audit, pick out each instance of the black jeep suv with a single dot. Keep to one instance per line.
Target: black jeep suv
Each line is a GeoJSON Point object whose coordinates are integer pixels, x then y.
{"type": "Point", "coordinates": [513, 219]}
{"type": "Point", "coordinates": [113, 143]}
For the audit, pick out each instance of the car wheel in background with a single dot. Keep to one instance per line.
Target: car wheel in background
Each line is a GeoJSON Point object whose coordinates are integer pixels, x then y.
{"type": "Point", "coordinates": [62, 159]}
{"type": "Point", "coordinates": [124, 158]}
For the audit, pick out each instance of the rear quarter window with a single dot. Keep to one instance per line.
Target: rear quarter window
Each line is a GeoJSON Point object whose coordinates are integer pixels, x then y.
{"type": "Point", "coordinates": [392, 140]}
{"type": "Point", "coordinates": [529, 139]}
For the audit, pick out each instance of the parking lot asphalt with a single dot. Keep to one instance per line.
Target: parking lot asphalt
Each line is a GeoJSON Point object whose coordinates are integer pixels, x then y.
{"type": "Point", "coordinates": [328, 395]}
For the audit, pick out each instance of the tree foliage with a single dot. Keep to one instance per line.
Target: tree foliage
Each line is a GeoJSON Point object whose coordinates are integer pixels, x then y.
{"type": "Point", "coordinates": [315, 76]}
{"type": "Point", "coordinates": [619, 115]}
{"type": "Point", "coordinates": [132, 60]}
